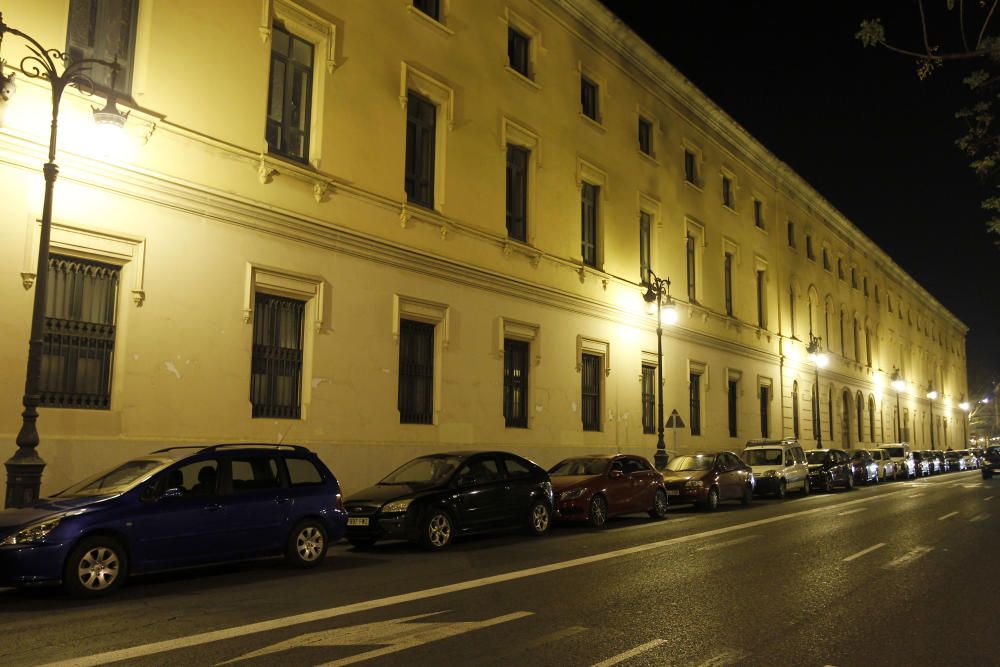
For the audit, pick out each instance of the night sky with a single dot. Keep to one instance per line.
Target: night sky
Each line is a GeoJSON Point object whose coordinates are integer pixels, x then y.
{"type": "Point", "coordinates": [857, 124]}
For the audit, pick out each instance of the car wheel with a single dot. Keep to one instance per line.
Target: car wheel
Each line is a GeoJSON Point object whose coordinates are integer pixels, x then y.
{"type": "Point", "coordinates": [850, 481]}
{"type": "Point", "coordinates": [712, 500]}
{"type": "Point", "coordinates": [96, 566]}
{"type": "Point", "coordinates": [805, 487]}
{"type": "Point", "coordinates": [540, 517]}
{"type": "Point", "coordinates": [748, 494]}
{"type": "Point", "coordinates": [827, 483]}
{"type": "Point", "coordinates": [660, 504]}
{"type": "Point", "coordinates": [598, 512]}
{"type": "Point", "coordinates": [307, 544]}
{"type": "Point", "coordinates": [437, 530]}
{"type": "Point", "coordinates": [782, 489]}
{"type": "Point", "coordinates": [362, 543]}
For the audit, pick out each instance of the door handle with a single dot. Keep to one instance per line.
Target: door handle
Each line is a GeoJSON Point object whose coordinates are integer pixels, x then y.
{"type": "Point", "coordinates": [212, 508]}
{"type": "Point", "coordinates": [281, 501]}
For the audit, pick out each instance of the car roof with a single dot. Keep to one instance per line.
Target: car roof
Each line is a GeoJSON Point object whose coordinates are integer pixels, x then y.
{"type": "Point", "coordinates": [769, 442]}
{"type": "Point", "coordinates": [184, 451]}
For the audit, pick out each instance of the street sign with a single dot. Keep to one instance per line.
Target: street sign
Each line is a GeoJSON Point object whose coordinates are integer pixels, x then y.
{"type": "Point", "coordinates": [674, 420]}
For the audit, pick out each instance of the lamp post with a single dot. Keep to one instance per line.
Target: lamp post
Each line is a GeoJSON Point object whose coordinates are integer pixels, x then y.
{"type": "Point", "coordinates": [931, 397]}
{"type": "Point", "coordinates": [820, 360]}
{"type": "Point", "coordinates": [898, 384]}
{"type": "Point", "coordinates": [24, 468]}
{"type": "Point", "coordinates": [656, 290]}
{"type": "Point", "coordinates": [963, 405]}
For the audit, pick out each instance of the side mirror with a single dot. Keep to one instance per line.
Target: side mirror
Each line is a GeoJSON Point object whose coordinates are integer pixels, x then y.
{"type": "Point", "coordinates": [616, 474]}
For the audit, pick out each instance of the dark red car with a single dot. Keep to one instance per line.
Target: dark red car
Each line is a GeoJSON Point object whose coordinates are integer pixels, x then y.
{"type": "Point", "coordinates": [593, 488]}
{"type": "Point", "coordinates": [706, 479]}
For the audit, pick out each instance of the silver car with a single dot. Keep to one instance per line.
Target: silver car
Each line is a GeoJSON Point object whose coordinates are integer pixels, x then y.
{"type": "Point", "coordinates": [887, 468]}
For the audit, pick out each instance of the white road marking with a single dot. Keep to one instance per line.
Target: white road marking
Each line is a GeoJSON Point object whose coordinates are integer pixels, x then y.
{"type": "Point", "coordinates": [727, 657]}
{"type": "Point", "coordinates": [972, 486]}
{"type": "Point", "coordinates": [189, 641]}
{"type": "Point", "coordinates": [947, 516]}
{"type": "Point", "coordinates": [980, 517]}
{"type": "Point", "coordinates": [914, 495]}
{"type": "Point", "coordinates": [864, 552]}
{"type": "Point", "coordinates": [727, 543]}
{"type": "Point", "coordinates": [621, 657]}
{"type": "Point", "coordinates": [554, 636]}
{"type": "Point", "coordinates": [988, 498]}
{"type": "Point", "coordinates": [909, 557]}
{"type": "Point", "coordinates": [853, 511]}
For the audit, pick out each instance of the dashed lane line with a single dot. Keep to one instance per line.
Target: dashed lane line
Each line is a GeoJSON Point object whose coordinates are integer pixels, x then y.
{"type": "Point", "coordinates": [988, 498]}
{"type": "Point", "coordinates": [980, 517]}
{"type": "Point", "coordinates": [622, 657]}
{"type": "Point", "coordinates": [853, 511]}
{"type": "Point", "coordinates": [914, 495]}
{"type": "Point", "coordinates": [864, 552]}
{"type": "Point", "coordinates": [909, 557]}
{"type": "Point", "coordinates": [947, 516]}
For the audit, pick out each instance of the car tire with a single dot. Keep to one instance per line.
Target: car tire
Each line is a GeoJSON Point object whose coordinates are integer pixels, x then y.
{"type": "Point", "coordinates": [782, 490]}
{"type": "Point", "coordinates": [437, 530]}
{"type": "Point", "coordinates": [711, 500]}
{"type": "Point", "coordinates": [362, 543]}
{"type": "Point", "coordinates": [660, 505]}
{"type": "Point", "coordinates": [597, 513]}
{"type": "Point", "coordinates": [748, 494]}
{"type": "Point", "coordinates": [805, 487]}
{"type": "Point", "coordinates": [96, 566]}
{"type": "Point", "coordinates": [307, 544]}
{"type": "Point", "coordinates": [539, 518]}
{"type": "Point", "coordinates": [827, 483]}
{"type": "Point", "coordinates": [850, 481]}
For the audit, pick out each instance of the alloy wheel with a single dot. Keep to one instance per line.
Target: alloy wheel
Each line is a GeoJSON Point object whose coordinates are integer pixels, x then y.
{"type": "Point", "coordinates": [309, 543]}
{"type": "Point", "coordinates": [539, 518]}
{"type": "Point", "coordinates": [439, 530]}
{"type": "Point", "coordinates": [98, 568]}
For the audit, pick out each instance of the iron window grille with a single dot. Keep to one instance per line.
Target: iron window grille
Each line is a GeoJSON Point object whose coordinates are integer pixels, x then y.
{"type": "Point", "coordinates": [518, 48]}
{"type": "Point", "coordinates": [728, 280]}
{"type": "Point", "coordinates": [795, 409]}
{"type": "Point", "coordinates": [79, 334]}
{"type": "Point", "coordinates": [588, 223]}
{"type": "Point", "coordinates": [430, 7]}
{"type": "Point", "coordinates": [691, 284]}
{"type": "Point", "coordinates": [590, 372]}
{"type": "Point", "coordinates": [515, 382]}
{"type": "Point", "coordinates": [276, 368]}
{"type": "Point", "coordinates": [644, 247]}
{"type": "Point", "coordinates": [816, 416]}
{"type": "Point", "coordinates": [517, 192]}
{"type": "Point", "coordinates": [588, 98]}
{"type": "Point", "coordinates": [860, 407]}
{"type": "Point", "coordinates": [765, 399]}
{"type": "Point", "coordinates": [645, 136]}
{"type": "Point", "coordinates": [104, 30]}
{"type": "Point", "coordinates": [694, 387]}
{"type": "Point", "coordinates": [829, 408]}
{"type": "Point", "coordinates": [648, 398]}
{"type": "Point", "coordinates": [289, 100]}
{"type": "Point", "coordinates": [731, 398]}
{"type": "Point", "coordinates": [421, 122]}
{"type": "Point", "coordinates": [690, 168]}
{"type": "Point", "coordinates": [416, 372]}
{"type": "Point", "coordinates": [871, 418]}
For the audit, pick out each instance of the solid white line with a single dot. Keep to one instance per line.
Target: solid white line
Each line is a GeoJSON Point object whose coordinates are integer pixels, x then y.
{"type": "Point", "coordinates": [947, 516]}
{"type": "Point", "coordinates": [864, 551]}
{"type": "Point", "coordinates": [621, 657]}
{"type": "Point", "coordinates": [853, 511]}
{"type": "Point", "coordinates": [379, 603]}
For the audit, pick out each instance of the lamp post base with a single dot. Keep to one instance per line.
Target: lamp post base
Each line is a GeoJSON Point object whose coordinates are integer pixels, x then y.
{"type": "Point", "coordinates": [24, 478]}
{"type": "Point", "coordinates": [660, 459]}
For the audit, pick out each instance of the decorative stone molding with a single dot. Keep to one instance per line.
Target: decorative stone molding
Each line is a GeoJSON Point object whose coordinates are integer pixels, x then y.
{"type": "Point", "coordinates": [284, 283]}
{"type": "Point", "coordinates": [265, 171]}
{"type": "Point", "coordinates": [593, 346]}
{"type": "Point", "coordinates": [518, 330]}
{"type": "Point", "coordinates": [421, 310]}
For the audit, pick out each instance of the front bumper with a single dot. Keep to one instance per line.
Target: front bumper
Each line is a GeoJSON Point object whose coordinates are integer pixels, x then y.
{"type": "Point", "coordinates": [572, 510]}
{"type": "Point", "coordinates": [685, 495]}
{"type": "Point", "coordinates": [381, 527]}
{"type": "Point", "coordinates": [32, 564]}
{"type": "Point", "coordinates": [767, 484]}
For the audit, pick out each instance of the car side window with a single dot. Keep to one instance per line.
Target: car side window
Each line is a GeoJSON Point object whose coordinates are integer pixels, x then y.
{"type": "Point", "coordinates": [630, 465]}
{"type": "Point", "coordinates": [618, 465]}
{"type": "Point", "coordinates": [800, 456]}
{"type": "Point", "coordinates": [194, 479]}
{"type": "Point", "coordinates": [302, 472]}
{"type": "Point", "coordinates": [254, 474]}
{"type": "Point", "coordinates": [479, 471]}
{"type": "Point", "coordinates": [515, 468]}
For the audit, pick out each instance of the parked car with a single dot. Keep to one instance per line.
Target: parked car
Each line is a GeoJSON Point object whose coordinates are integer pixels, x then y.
{"type": "Point", "coordinates": [935, 460]}
{"type": "Point", "coordinates": [829, 468]}
{"type": "Point", "coordinates": [969, 461]}
{"type": "Point", "coordinates": [595, 488]}
{"type": "Point", "coordinates": [177, 507]}
{"type": "Point", "coordinates": [707, 479]}
{"type": "Point", "coordinates": [778, 466]}
{"type": "Point", "coordinates": [956, 461]}
{"type": "Point", "coordinates": [886, 467]}
{"type": "Point", "coordinates": [432, 499]}
{"type": "Point", "coordinates": [991, 461]}
{"type": "Point", "coordinates": [900, 454]}
{"type": "Point", "coordinates": [865, 467]}
{"type": "Point", "coordinates": [923, 465]}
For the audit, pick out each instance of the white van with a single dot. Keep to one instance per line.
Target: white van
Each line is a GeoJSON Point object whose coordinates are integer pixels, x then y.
{"type": "Point", "coordinates": [779, 466]}
{"type": "Point", "coordinates": [899, 453]}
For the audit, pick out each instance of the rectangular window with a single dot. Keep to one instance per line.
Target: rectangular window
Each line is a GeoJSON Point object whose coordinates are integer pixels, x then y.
{"type": "Point", "coordinates": [694, 388]}
{"type": "Point", "coordinates": [733, 389]}
{"type": "Point", "coordinates": [276, 367]}
{"type": "Point", "coordinates": [517, 51]}
{"type": "Point", "coordinates": [758, 213]}
{"type": "Point", "coordinates": [765, 401]}
{"type": "Point", "coordinates": [430, 7]}
{"type": "Point", "coordinates": [517, 192]}
{"type": "Point", "coordinates": [648, 398]}
{"type": "Point", "coordinates": [645, 136]}
{"type": "Point", "coordinates": [840, 268]}
{"type": "Point", "coordinates": [791, 234]}
{"type": "Point", "coordinates": [416, 372]}
{"type": "Point", "coordinates": [727, 192]}
{"type": "Point", "coordinates": [644, 247]}
{"type": "Point", "coordinates": [588, 98]}
{"type": "Point", "coordinates": [809, 248]}
{"type": "Point", "coordinates": [761, 301]}
{"type": "Point", "coordinates": [728, 281]}
{"type": "Point", "coordinates": [588, 223]}
{"type": "Point", "coordinates": [854, 278]}
{"type": "Point", "coordinates": [826, 259]}
{"type": "Point", "coordinates": [289, 97]}
{"type": "Point", "coordinates": [104, 30]}
{"type": "Point", "coordinates": [690, 168]}
{"type": "Point", "coordinates": [691, 269]}
{"type": "Point", "coordinates": [515, 382]}
{"type": "Point", "coordinates": [78, 341]}
{"type": "Point", "coordinates": [421, 122]}
{"type": "Point", "coordinates": [590, 402]}
{"type": "Point", "coordinates": [864, 285]}
{"type": "Point", "coordinates": [253, 474]}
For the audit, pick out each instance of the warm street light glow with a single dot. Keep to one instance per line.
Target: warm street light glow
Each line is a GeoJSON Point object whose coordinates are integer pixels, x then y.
{"type": "Point", "coordinates": [669, 314]}
{"type": "Point", "coordinates": [897, 380]}
{"type": "Point", "coordinates": [932, 394]}
{"type": "Point", "coordinates": [964, 406]}
{"type": "Point", "coordinates": [816, 353]}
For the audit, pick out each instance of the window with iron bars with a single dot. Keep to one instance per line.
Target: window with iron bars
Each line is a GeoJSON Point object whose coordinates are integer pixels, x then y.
{"type": "Point", "coordinates": [648, 398]}
{"type": "Point", "coordinates": [79, 334]}
{"type": "Point", "coordinates": [276, 368]}
{"type": "Point", "coordinates": [590, 372]}
{"type": "Point", "coordinates": [732, 405]}
{"type": "Point", "coordinates": [515, 382]}
{"type": "Point", "coordinates": [695, 395]}
{"type": "Point", "coordinates": [416, 372]}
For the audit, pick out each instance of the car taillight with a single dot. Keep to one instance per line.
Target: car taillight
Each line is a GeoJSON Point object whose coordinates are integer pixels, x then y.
{"type": "Point", "coordinates": [339, 502]}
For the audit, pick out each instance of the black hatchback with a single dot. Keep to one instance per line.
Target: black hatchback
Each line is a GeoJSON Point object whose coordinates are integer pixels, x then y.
{"type": "Point", "coordinates": [829, 468]}
{"type": "Point", "coordinates": [432, 499]}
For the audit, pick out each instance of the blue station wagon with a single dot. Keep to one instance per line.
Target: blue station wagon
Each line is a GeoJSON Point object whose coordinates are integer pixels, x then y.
{"type": "Point", "coordinates": [175, 508]}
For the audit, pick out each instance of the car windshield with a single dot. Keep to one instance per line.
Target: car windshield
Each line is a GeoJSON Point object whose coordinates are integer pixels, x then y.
{"type": "Point", "coordinates": [762, 457]}
{"type": "Point", "coordinates": [426, 470]}
{"type": "Point", "coordinates": [895, 452]}
{"type": "Point", "coordinates": [993, 451]}
{"type": "Point", "coordinates": [816, 455]}
{"type": "Point", "coordinates": [953, 455]}
{"type": "Point", "coordinates": [574, 467]}
{"type": "Point", "coordinates": [699, 462]}
{"type": "Point", "coordinates": [115, 480]}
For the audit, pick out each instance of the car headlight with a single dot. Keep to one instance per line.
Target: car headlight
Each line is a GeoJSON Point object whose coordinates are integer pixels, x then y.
{"type": "Point", "coordinates": [33, 533]}
{"type": "Point", "coordinates": [572, 494]}
{"type": "Point", "coordinates": [397, 506]}
{"type": "Point", "coordinates": [694, 484]}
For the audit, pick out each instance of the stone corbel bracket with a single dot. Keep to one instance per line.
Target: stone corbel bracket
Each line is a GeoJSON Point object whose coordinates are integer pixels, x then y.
{"type": "Point", "coordinates": [265, 171]}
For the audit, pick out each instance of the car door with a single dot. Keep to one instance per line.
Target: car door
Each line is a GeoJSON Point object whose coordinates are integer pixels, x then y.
{"type": "Point", "coordinates": [618, 487]}
{"type": "Point", "coordinates": [182, 519]}
{"type": "Point", "coordinates": [259, 502]}
{"type": "Point", "coordinates": [521, 484]}
{"type": "Point", "coordinates": [730, 483]}
{"type": "Point", "coordinates": [482, 501]}
{"type": "Point", "coordinates": [643, 484]}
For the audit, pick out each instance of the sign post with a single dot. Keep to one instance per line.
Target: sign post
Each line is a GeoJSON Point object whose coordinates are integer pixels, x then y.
{"type": "Point", "coordinates": [675, 422]}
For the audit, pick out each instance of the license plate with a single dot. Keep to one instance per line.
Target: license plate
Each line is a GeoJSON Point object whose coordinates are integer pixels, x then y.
{"type": "Point", "coordinates": [673, 492]}
{"type": "Point", "coordinates": [357, 521]}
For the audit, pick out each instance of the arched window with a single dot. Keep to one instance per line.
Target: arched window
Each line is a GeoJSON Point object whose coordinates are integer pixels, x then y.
{"type": "Point", "coordinates": [791, 308]}
{"type": "Point", "coordinates": [795, 408]}
{"type": "Point", "coordinates": [871, 417]}
{"type": "Point", "coordinates": [868, 346]}
{"type": "Point", "coordinates": [815, 410]}
{"type": "Point", "coordinates": [860, 401]}
{"type": "Point", "coordinates": [830, 411]}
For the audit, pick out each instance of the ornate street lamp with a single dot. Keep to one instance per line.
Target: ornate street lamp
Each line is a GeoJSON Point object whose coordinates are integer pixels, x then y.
{"type": "Point", "coordinates": [931, 397]}
{"type": "Point", "coordinates": [24, 469]}
{"type": "Point", "coordinates": [820, 360]}
{"type": "Point", "coordinates": [899, 385]}
{"type": "Point", "coordinates": [963, 405]}
{"type": "Point", "coordinates": [658, 290]}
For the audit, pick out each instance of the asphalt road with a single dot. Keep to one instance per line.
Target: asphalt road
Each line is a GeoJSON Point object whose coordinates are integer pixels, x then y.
{"type": "Point", "coordinates": [896, 574]}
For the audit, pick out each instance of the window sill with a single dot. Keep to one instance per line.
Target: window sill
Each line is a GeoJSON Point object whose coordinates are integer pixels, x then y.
{"type": "Point", "coordinates": [526, 80]}
{"type": "Point", "coordinates": [693, 185]}
{"type": "Point", "coordinates": [650, 157]}
{"type": "Point", "coordinates": [430, 20]}
{"type": "Point", "coordinates": [596, 124]}
{"type": "Point", "coordinates": [762, 230]}
{"type": "Point", "coordinates": [730, 209]}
